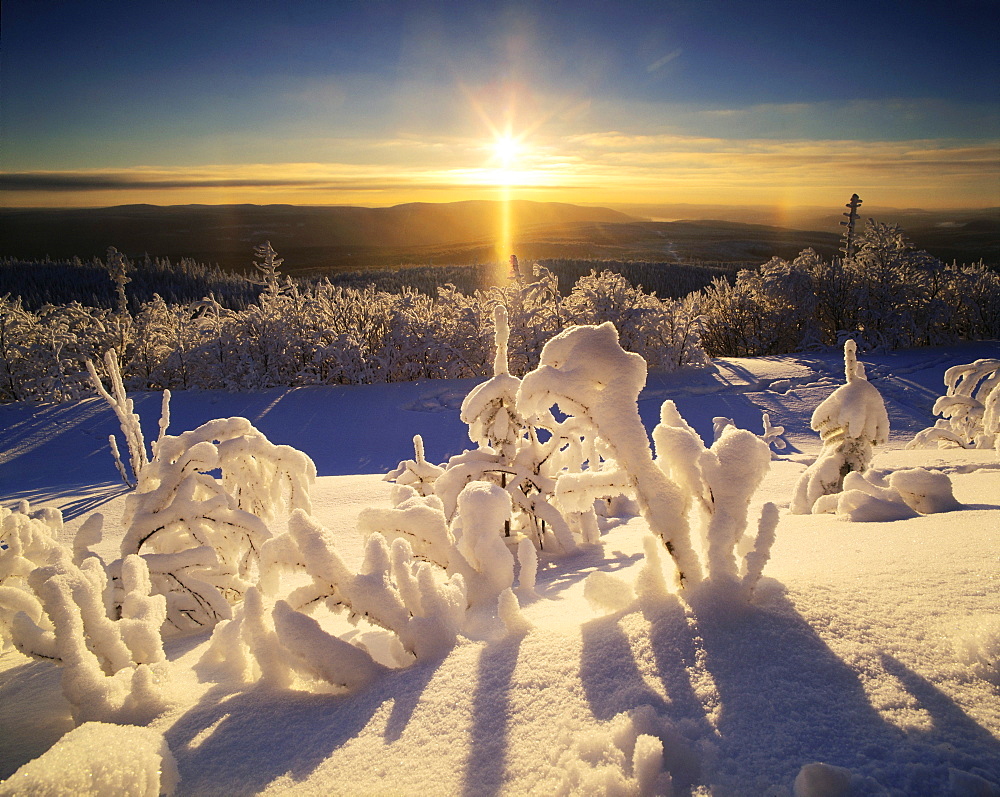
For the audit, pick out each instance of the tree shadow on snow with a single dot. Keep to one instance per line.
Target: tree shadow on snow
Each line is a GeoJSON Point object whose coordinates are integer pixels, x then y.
{"type": "Point", "coordinates": [613, 682]}
{"type": "Point", "coordinates": [784, 699]}
{"type": "Point", "coordinates": [87, 498]}
{"type": "Point", "coordinates": [34, 715]}
{"type": "Point", "coordinates": [237, 743]}
{"type": "Point", "coordinates": [562, 572]}
{"type": "Point", "coordinates": [954, 739]}
{"type": "Point", "coordinates": [486, 764]}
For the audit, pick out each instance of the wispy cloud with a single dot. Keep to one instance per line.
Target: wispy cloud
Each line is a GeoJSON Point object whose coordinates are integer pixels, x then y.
{"type": "Point", "coordinates": [597, 167]}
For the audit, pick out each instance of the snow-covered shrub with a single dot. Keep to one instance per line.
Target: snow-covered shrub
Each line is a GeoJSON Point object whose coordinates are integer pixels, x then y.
{"type": "Point", "coordinates": [275, 639]}
{"type": "Point", "coordinates": [42, 353]}
{"type": "Point", "coordinates": [471, 545]}
{"type": "Point", "coordinates": [599, 450]}
{"type": "Point", "coordinates": [717, 483]}
{"type": "Point", "coordinates": [26, 543]}
{"type": "Point", "coordinates": [201, 536]}
{"type": "Point", "coordinates": [769, 310]}
{"type": "Point", "coordinates": [55, 608]}
{"type": "Point", "coordinates": [417, 473]}
{"type": "Point", "coordinates": [851, 422]}
{"type": "Point", "coordinates": [483, 510]}
{"type": "Point", "coordinates": [884, 293]}
{"type": "Point", "coordinates": [969, 410]}
{"type": "Point", "coordinates": [666, 333]}
{"type": "Point", "coordinates": [99, 759]}
{"type": "Point", "coordinates": [300, 333]}
{"type": "Point", "coordinates": [587, 374]}
{"type": "Point", "coordinates": [902, 494]}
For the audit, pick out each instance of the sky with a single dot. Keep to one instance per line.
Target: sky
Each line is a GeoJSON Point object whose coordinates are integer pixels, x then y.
{"type": "Point", "coordinates": [379, 102]}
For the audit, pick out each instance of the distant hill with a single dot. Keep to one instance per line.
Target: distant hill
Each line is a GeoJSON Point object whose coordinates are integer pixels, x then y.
{"type": "Point", "coordinates": [966, 235]}
{"type": "Point", "coordinates": [315, 239]}
{"type": "Point", "coordinates": [307, 237]}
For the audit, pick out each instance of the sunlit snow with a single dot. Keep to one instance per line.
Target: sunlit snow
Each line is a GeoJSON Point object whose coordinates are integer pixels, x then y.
{"type": "Point", "coordinates": [866, 663]}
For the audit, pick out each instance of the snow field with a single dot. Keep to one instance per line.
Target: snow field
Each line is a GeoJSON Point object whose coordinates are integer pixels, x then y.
{"type": "Point", "coordinates": [867, 648]}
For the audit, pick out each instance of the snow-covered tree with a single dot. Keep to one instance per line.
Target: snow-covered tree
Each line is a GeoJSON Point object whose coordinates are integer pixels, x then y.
{"type": "Point", "coordinates": [585, 372]}
{"type": "Point", "coordinates": [270, 266]}
{"type": "Point", "coordinates": [124, 408]}
{"type": "Point", "coordinates": [851, 422]}
{"type": "Point", "coordinates": [969, 410]}
{"type": "Point", "coordinates": [717, 483]}
{"type": "Point", "coordinates": [200, 535]}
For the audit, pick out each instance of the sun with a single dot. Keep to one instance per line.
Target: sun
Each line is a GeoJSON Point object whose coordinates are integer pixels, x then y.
{"type": "Point", "coordinates": [506, 149]}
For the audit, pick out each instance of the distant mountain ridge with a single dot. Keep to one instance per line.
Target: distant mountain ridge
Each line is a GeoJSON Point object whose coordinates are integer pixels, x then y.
{"type": "Point", "coordinates": [228, 233]}
{"type": "Point", "coordinates": [317, 238]}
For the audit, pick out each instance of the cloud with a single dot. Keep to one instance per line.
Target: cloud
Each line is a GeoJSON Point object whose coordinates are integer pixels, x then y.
{"type": "Point", "coordinates": [595, 167]}
{"type": "Point", "coordinates": [662, 62]}
{"type": "Point", "coordinates": [123, 181]}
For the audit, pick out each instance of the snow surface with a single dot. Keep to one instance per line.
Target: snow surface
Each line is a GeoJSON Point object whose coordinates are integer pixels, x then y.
{"type": "Point", "coordinates": [870, 648]}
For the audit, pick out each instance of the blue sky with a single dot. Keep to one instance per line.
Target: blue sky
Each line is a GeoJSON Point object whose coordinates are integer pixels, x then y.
{"type": "Point", "coordinates": [374, 102]}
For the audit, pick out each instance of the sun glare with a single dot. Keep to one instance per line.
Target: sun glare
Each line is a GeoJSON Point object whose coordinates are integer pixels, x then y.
{"type": "Point", "coordinates": [507, 149]}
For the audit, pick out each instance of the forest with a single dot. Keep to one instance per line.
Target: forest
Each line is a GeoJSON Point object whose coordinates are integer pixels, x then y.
{"type": "Point", "coordinates": [189, 325]}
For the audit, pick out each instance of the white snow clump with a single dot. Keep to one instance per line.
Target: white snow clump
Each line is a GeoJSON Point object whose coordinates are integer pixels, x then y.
{"type": "Point", "coordinates": [99, 759]}
{"type": "Point", "coordinates": [56, 609]}
{"type": "Point", "coordinates": [903, 494]}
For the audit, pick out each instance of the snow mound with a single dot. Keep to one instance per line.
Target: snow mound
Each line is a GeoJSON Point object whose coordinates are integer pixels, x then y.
{"type": "Point", "coordinates": [99, 759]}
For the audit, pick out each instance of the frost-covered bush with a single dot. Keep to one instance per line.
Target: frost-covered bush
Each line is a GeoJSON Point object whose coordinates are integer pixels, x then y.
{"type": "Point", "coordinates": [303, 333]}
{"type": "Point", "coordinates": [55, 606]}
{"type": "Point", "coordinates": [592, 379]}
{"type": "Point", "coordinates": [555, 470]}
{"type": "Point", "coordinates": [275, 639]}
{"type": "Point", "coordinates": [969, 410]}
{"type": "Point", "coordinates": [717, 484]}
{"type": "Point", "coordinates": [851, 422]}
{"type": "Point", "coordinates": [200, 535]}
{"type": "Point", "coordinates": [885, 294]}
{"type": "Point", "coordinates": [43, 353]}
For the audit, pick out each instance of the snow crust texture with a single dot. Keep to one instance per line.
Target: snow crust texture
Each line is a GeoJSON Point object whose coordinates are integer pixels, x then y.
{"type": "Point", "coordinates": [98, 759]}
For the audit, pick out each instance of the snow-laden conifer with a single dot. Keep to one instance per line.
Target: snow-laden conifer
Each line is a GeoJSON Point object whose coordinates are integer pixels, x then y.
{"type": "Point", "coordinates": [851, 422]}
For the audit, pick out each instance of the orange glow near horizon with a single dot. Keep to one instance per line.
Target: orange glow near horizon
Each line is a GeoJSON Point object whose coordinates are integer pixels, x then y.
{"type": "Point", "coordinates": [605, 169]}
